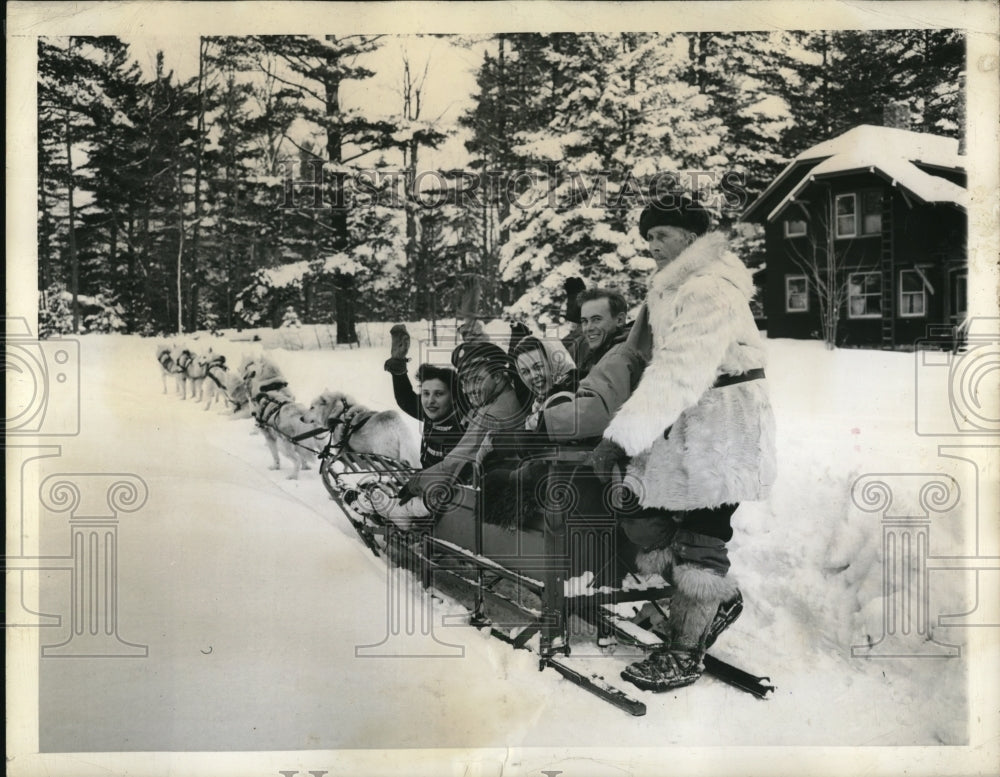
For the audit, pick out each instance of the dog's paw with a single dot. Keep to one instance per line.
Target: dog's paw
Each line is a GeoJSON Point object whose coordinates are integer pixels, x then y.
{"type": "Point", "coordinates": [274, 467]}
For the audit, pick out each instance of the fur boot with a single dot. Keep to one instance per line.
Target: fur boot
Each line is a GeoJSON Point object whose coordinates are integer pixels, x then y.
{"type": "Point", "coordinates": [705, 603]}
{"type": "Point", "coordinates": [658, 561]}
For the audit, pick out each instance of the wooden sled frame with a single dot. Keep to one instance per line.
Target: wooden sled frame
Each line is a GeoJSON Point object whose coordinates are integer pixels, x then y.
{"type": "Point", "coordinates": [473, 577]}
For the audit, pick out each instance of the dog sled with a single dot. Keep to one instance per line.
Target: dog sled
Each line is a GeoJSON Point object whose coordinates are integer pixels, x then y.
{"type": "Point", "coordinates": [550, 583]}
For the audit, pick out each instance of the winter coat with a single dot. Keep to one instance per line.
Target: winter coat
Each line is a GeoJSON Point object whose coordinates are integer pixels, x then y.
{"type": "Point", "coordinates": [437, 438]}
{"type": "Point", "coordinates": [589, 358]}
{"type": "Point", "coordinates": [694, 445]}
{"type": "Point", "coordinates": [605, 388]}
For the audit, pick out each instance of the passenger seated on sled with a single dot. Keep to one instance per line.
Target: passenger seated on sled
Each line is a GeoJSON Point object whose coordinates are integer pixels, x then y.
{"type": "Point", "coordinates": [602, 324]}
{"type": "Point", "coordinates": [586, 413]}
{"type": "Point", "coordinates": [436, 407]}
{"type": "Point", "coordinates": [615, 360]}
{"type": "Point", "coordinates": [512, 489]}
{"type": "Point", "coordinates": [547, 371]}
{"type": "Point", "coordinates": [498, 402]}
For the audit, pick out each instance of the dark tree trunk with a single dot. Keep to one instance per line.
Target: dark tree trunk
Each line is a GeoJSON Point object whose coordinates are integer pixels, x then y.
{"type": "Point", "coordinates": [74, 259]}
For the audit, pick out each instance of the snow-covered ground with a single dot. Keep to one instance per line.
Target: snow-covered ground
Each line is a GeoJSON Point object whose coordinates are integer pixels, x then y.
{"type": "Point", "coordinates": [251, 591]}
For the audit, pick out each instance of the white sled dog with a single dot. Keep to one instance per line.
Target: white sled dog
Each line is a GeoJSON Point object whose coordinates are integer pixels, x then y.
{"type": "Point", "coordinates": [186, 369]}
{"type": "Point", "coordinates": [362, 430]}
{"type": "Point", "coordinates": [278, 415]}
{"type": "Point", "coordinates": [166, 357]}
{"type": "Point", "coordinates": [220, 382]}
{"type": "Point", "coordinates": [195, 372]}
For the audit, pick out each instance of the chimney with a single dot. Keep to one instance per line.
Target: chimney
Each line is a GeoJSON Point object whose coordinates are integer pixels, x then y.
{"type": "Point", "coordinates": [896, 113]}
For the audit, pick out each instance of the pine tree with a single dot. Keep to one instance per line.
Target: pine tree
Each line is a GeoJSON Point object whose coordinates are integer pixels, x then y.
{"type": "Point", "coordinates": [66, 89]}
{"type": "Point", "coordinates": [628, 121]}
{"type": "Point", "coordinates": [112, 181]}
{"type": "Point", "coordinates": [318, 69]}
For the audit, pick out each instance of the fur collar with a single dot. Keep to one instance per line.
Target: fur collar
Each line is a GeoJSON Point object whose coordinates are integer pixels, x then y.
{"type": "Point", "coordinates": [708, 255]}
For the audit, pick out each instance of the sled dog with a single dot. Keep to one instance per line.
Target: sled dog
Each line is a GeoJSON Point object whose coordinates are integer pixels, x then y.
{"type": "Point", "coordinates": [278, 415]}
{"type": "Point", "coordinates": [193, 372]}
{"type": "Point", "coordinates": [166, 357]}
{"type": "Point", "coordinates": [362, 430]}
{"type": "Point", "coordinates": [220, 382]}
{"type": "Point", "coordinates": [183, 358]}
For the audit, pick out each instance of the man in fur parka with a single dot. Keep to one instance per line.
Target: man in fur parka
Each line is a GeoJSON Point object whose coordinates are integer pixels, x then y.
{"type": "Point", "coordinates": [698, 432]}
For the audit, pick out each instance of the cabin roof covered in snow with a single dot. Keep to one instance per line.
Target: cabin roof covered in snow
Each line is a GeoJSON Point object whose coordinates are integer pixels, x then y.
{"type": "Point", "coordinates": [893, 154]}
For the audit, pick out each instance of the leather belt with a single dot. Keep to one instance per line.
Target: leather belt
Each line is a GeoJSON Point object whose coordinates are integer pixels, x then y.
{"type": "Point", "coordinates": [728, 380]}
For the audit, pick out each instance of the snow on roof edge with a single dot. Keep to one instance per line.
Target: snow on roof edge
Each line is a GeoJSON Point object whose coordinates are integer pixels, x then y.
{"type": "Point", "coordinates": [910, 146]}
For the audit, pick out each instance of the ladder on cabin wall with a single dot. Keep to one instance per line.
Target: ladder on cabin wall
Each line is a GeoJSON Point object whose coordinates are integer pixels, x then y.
{"type": "Point", "coordinates": [886, 265]}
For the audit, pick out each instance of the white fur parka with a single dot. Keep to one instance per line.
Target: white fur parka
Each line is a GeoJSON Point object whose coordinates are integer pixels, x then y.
{"type": "Point", "coordinates": [720, 445]}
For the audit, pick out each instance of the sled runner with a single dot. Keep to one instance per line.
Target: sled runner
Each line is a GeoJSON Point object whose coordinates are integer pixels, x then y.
{"type": "Point", "coordinates": [552, 586]}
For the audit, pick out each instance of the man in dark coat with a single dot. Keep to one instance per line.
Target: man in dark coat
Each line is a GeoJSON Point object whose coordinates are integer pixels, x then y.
{"type": "Point", "coordinates": [602, 324]}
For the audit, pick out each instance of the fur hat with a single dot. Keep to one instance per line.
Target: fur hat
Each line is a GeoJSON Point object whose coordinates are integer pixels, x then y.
{"type": "Point", "coordinates": [675, 211]}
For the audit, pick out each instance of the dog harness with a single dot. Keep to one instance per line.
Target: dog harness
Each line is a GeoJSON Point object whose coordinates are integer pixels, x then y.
{"type": "Point", "coordinates": [185, 361]}
{"type": "Point", "coordinates": [269, 408]}
{"type": "Point", "coordinates": [166, 360]}
{"type": "Point", "coordinates": [351, 425]}
{"type": "Point", "coordinates": [272, 386]}
{"type": "Point", "coordinates": [221, 364]}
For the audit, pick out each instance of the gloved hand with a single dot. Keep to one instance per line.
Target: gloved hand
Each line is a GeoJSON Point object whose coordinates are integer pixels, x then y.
{"type": "Point", "coordinates": [572, 287]}
{"type": "Point", "coordinates": [396, 363]}
{"type": "Point", "coordinates": [395, 366]}
{"type": "Point", "coordinates": [606, 458]}
{"type": "Point", "coordinates": [518, 331]}
{"type": "Point", "coordinates": [411, 489]}
{"type": "Point", "coordinates": [400, 341]}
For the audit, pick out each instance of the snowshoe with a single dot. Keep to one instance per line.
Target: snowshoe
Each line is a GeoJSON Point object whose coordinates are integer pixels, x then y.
{"type": "Point", "coordinates": [727, 613]}
{"type": "Point", "coordinates": [665, 669]}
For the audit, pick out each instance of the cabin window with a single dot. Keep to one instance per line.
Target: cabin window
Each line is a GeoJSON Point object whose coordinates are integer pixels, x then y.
{"type": "Point", "coordinates": [960, 290]}
{"type": "Point", "coordinates": [795, 227]}
{"type": "Point", "coordinates": [846, 207]}
{"type": "Point", "coordinates": [851, 222]}
{"type": "Point", "coordinates": [864, 295]}
{"type": "Point", "coordinates": [796, 294]}
{"type": "Point", "coordinates": [912, 294]}
{"type": "Point", "coordinates": [871, 212]}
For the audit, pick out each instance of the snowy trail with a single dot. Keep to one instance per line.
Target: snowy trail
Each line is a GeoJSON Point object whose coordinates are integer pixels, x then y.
{"type": "Point", "coordinates": [252, 594]}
